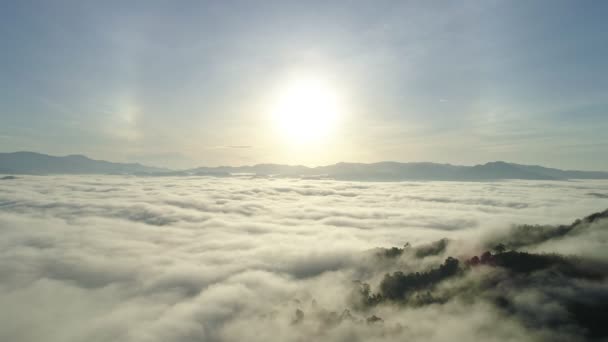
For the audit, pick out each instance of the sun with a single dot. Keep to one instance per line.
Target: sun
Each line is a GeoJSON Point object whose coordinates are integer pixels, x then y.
{"type": "Point", "coordinates": [306, 111]}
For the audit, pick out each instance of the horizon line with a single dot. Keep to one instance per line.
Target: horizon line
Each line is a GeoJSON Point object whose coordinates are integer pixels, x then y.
{"type": "Point", "coordinates": [296, 165]}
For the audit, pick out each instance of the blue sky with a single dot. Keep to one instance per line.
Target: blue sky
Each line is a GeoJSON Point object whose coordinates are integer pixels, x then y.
{"type": "Point", "coordinates": [186, 83]}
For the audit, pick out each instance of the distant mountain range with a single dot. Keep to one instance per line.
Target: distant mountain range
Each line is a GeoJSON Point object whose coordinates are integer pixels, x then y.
{"type": "Point", "coordinates": [394, 171]}
{"type": "Point", "coordinates": [40, 164]}
{"type": "Point", "coordinates": [37, 163]}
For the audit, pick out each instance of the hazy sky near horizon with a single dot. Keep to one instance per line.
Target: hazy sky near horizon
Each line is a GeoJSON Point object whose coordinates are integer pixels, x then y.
{"type": "Point", "coordinates": [186, 83]}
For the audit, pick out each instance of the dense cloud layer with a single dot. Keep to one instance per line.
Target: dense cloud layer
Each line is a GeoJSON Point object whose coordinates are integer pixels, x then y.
{"type": "Point", "coordinates": [103, 258]}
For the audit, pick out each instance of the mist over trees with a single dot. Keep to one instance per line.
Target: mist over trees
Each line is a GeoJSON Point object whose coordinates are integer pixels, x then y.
{"type": "Point", "coordinates": [577, 285]}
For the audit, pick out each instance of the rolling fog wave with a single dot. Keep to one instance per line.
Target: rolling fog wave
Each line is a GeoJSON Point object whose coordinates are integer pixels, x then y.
{"type": "Point", "coordinates": [118, 258]}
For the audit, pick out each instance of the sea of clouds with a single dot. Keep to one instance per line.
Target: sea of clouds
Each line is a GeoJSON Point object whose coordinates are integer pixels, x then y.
{"type": "Point", "coordinates": [125, 258]}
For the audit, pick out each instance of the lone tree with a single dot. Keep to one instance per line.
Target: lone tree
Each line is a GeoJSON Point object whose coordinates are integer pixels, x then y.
{"type": "Point", "coordinates": [500, 248]}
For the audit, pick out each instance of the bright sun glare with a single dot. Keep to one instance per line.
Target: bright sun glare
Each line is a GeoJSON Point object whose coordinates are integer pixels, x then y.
{"type": "Point", "coordinates": [306, 111]}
